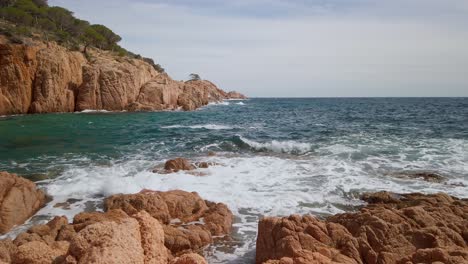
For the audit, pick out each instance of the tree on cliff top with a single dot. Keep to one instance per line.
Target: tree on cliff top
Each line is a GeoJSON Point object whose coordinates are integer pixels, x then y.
{"type": "Point", "coordinates": [194, 77]}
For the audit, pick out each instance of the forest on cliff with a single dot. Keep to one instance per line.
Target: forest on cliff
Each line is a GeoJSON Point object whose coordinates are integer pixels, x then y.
{"type": "Point", "coordinates": [36, 19]}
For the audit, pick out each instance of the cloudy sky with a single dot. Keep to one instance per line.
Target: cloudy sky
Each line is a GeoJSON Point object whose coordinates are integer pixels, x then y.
{"type": "Point", "coordinates": [298, 48]}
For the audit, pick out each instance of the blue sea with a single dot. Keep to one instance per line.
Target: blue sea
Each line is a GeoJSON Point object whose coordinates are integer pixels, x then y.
{"type": "Point", "coordinates": [274, 156]}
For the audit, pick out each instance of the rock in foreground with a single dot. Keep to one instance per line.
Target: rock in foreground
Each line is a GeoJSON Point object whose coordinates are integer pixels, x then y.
{"type": "Point", "coordinates": [190, 222]}
{"type": "Point", "coordinates": [411, 228]}
{"type": "Point", "coordinates": [148, 227]}
{"type": "Point", "coordinates": [19, 200]}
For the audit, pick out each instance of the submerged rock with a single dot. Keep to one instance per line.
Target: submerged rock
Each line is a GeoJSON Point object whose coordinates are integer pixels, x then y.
{"type": "Point", "coordinates": [409, 228]}
{"type": "Point", "coordinates": [426, 176]}
{"type": "Point", "coordinates": [19, 200]}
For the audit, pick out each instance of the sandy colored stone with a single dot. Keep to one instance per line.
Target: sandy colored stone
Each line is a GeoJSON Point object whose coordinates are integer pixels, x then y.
{"type": "Point", "coordinates": [235, 95]}
{"type": "Point", "coordinates": [19, 200]}
{"type": "Point", "coordinates": [151, 202]}
{"type": "Point", "coordinates": [43, 77]}
{"type": "Point", "coordinates": [189, 259]}
{"type": "Point", "coordinates": [392, 228]}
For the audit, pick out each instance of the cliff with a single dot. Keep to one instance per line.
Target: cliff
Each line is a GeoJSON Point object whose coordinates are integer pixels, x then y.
{"type": "Point", "coordinates": [40, 77]}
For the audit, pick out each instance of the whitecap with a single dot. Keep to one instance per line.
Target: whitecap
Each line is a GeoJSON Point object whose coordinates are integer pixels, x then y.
{"type": "Point", "coordinates": [205, 126]}
{"type": "Point", "coordinates": [288, 146]}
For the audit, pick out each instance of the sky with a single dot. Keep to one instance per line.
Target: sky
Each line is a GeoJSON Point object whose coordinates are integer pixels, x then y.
{"type": "Point", "coordinates": [298, 48]}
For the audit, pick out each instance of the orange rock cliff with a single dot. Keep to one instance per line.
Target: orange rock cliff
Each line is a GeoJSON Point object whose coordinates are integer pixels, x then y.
{"type": "Point", "coordinates": [40, 77]}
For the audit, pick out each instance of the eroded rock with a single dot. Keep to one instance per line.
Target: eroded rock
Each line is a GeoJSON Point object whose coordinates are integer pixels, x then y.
{"type": "Point", "coordinates": [19, 200]}
{"type": "Point", "coordinates": [410, 228]}
{"type": "Point", "coordinates": [192, 221]}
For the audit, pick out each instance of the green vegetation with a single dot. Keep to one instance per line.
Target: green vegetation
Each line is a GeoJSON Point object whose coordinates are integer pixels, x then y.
{"type": "Point", "coordinates": [194, 77]}
{"type": "Point", "coordinates": [32, 18]}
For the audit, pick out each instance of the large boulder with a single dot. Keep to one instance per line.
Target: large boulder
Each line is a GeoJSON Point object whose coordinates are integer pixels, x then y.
{"type": "Point", "coordinates": [112, 237]}
{"type": "Point", "coordinates": [190, 221]}
{"type": "Point", "coordinates": [19, 200]}
{"type": "Point", "coordinates": [411, 228]}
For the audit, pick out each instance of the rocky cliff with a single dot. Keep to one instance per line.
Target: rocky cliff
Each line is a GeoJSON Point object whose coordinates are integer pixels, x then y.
{"type": "Point", "coordinates": [39, 77]}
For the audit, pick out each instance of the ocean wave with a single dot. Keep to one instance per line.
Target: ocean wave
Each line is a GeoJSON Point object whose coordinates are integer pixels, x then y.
{"type": "Point", "coordinates": [206, 126]}
{"type": "Point", "coordinates": [289, 146]}
{"type": "Point", "coordinates": [219, 103]}
{"type": "Point", "coordinates": [240, 103]}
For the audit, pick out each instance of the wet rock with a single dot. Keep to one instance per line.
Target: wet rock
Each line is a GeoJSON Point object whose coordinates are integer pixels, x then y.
{"type": "Point", "coordinates": [181, 164]}
{"type": "Point", "coordinates": [178, 164]}
{"type": "Point", "coordinates": [426, 176]}
{"type": "Point", "coordinates": [408, 228]}
{"type": "Point", "coordinates": [19, 200]}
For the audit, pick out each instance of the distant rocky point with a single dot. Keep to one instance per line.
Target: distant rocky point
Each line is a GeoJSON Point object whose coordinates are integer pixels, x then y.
{"type": "Point", "coordinates": [44, 77]}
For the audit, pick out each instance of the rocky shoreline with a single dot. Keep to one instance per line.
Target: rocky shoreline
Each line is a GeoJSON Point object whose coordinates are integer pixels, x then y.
{"type": "Point", "coordinates": [175, 226]}
{"type": "Point", "coordinates": [44, 77]}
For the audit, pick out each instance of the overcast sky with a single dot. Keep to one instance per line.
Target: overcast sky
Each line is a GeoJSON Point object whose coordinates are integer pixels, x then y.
{"type": "Point", "coordinates": [298, 48]}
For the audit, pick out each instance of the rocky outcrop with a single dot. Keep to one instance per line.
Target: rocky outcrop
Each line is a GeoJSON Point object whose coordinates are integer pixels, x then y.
{"type": "Point", "coordinates": [190, 222]}
{"type": "Point", "coordinates": [44, 77]}
{"type": "Point", "coordinates": [235, 95]}
{"type": "Point", "coordinates": [411, 228]}
{"type": "Point", "coordinates": [148, 227]}
{"type": "Point", "coordinates": [19, 200]}
{"type": "Point", "coordinates": [181, 164]}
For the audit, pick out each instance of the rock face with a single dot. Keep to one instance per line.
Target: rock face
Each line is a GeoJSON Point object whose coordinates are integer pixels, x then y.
{"type": "Point", "coordinates": [147, 228]}
{"type": "Point", "coordinates": [45, 77]}
{"type": "Point", "coordinates": [19, 200]}
{"type": "Point", "coordinates": [412, 228]}
{"type": "Point", "coordinates": [190, 222]}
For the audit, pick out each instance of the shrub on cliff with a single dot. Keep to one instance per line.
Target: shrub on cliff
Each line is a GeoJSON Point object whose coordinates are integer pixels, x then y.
{"type": "Point", "coordinates": [194, 77]}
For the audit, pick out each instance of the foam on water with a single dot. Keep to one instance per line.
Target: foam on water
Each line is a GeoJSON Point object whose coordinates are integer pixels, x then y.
{"type": "Point", "coordinates": [219, 103]}
{"type": "Point", "coordinates": [250, 185]}
{"type": "Point", "coordinates": [240, 103]}
{"type": "Point", "coordinates": [288, 146]}
{"type": "Point", "coordinates": [206, 126]}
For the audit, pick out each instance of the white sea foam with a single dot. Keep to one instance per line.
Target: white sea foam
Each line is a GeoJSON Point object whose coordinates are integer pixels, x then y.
{"type": "Point", "coordinates": [288, 146]}
{"type": "Point", "coordinates": [206, 126]}
{"type": "Point", "coordinates": [93, 111]}
{"type": "Point", "coordinates": [326, 183]}
{"type": "Point", "coordinates": [240, 103]}
{"type": "Point", "coordinates": [219, 103]}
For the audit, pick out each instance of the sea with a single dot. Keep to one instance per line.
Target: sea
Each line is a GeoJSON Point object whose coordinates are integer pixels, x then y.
{"type": "Point", "coordinates": [272, 156]}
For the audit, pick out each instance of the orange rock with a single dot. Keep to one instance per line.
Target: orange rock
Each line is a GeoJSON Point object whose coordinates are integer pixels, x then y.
{"type": "Point", "coordinates": [410, 228]}
{"type": "Point", "coordinates": [19, 200]}
{"type": "Point", "coordinates": [151, 202]}
{"type": "Point", "coordinates": [178, 164]}
{"type": "Point", "coordinates": [46, 77]}
{"type": "Point", "coordinates": [189, 259]}
{"type": "Point", "coordinates": [235, 95]}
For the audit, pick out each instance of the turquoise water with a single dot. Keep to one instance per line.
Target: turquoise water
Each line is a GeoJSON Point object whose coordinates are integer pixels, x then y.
{"type": "Point", "coordinates": [275, 156]}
